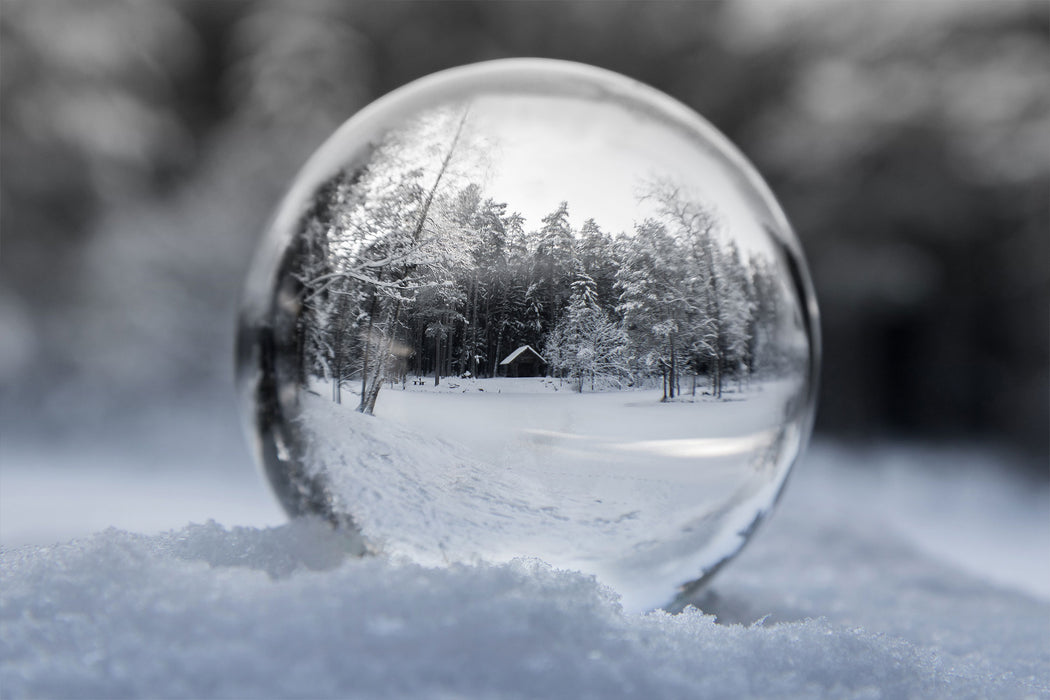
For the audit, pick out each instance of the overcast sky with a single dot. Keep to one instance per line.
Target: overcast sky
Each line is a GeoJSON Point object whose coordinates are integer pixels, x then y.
{"type": "Point", "coordinates": [596, 156]}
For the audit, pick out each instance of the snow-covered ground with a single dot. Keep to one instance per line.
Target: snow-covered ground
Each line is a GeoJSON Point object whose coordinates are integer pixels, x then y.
{"type": "Point", "coordinates": [644, 494]}
{"type": "Point", "coordinates": [902, 571]}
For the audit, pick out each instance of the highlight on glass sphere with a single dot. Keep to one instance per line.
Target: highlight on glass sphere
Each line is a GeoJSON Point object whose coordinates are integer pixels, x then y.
{"type": "Point", "coordinates": [531, 308]}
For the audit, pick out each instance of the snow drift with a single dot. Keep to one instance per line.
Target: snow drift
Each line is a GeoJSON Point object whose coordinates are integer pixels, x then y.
{"type": "Point", "coordinates": [828, 601]}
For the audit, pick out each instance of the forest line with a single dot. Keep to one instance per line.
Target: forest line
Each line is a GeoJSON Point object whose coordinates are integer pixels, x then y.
{"type": "Point", "coordinates": [407, 268]}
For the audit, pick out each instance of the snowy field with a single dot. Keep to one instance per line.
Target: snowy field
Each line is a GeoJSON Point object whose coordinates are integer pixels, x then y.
{"type": "Point", "coordinates": [594, 435]}
{"type": "Point", "coordinates": [644, 494]}
{"type": "Point", "coordinates": [896, 572]}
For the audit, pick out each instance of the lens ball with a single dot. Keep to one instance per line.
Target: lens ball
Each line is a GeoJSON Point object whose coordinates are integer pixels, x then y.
{"type": "Point", "coordinates": [531, 308]}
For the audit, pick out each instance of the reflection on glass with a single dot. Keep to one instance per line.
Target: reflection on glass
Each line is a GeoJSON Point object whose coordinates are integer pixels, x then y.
{"type": "Point", "coordinates": [532, 309]}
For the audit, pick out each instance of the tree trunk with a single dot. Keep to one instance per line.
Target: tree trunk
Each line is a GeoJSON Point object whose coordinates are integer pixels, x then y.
{"type": "Point", "coordinates": [674, 368]}
{"type": "Point", "coordinates": [372, 378]}
{"type": "Point", "coordinates": [499, 345]}
{"type": "Point", "coordinates": [437, 357]}
{"type": "Point", "coordinates": [367, 342]}
{"type": "Point", "coordinates": [472, 362]}
{"type": "Point", "coordinates": [375, 380]}
{"type": "Point", "coordinates": [448, 358]}
{"type": "Point", "coordinates": [418, 359]}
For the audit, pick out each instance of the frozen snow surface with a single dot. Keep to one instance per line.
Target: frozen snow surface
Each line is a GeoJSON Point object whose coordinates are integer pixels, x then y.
{"type": "Point", "coordinates": [870, 581]}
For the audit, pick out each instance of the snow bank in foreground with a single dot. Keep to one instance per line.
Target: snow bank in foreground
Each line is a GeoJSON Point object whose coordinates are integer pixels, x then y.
{"type": "Point", "coordinates": [288, 612]}
{"type": "Point", "coordinates": [879, 575]}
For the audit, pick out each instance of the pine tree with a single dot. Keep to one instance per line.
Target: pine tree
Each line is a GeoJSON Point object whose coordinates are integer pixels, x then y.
{"type": "Point", "coordinates": [657, 301]}
{"type": "Point", "coordinates": [585, 345]}
{"type": "Point", "coordinates": [597, 254]}
{"type": "Point", "coordinates": [555, 251]}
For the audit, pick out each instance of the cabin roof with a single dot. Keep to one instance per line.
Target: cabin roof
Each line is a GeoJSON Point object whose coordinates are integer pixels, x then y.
{"type": "Point", "coordinates": [517, 353]}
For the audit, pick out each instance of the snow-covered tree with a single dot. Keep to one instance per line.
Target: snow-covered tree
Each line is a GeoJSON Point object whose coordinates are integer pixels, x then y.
{"type": "Point", "coordinates": [596, 251]}
{"type": "Point", "coordinates": [763, 350]}
{"type": "Point", "coordinates": [717, 295]}
{"type": "Point", "coordinates": [736, 310]}
{"type": "Point", "coordinates": [391, 237]}
{"type": "Point", "coordinates": [406, 264]}
{"type": "Point", "coordinates": [585, 345]}
{"type": "Point", "coordinates": [658, 302]}
{"type": "Point", "coordinates": [555, 253]}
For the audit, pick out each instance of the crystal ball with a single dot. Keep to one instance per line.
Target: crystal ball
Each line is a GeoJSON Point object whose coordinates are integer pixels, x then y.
{"type": "Point", "coordinates": [531, 308]}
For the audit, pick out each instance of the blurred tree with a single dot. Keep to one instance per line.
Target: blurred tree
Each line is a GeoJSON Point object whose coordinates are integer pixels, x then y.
{"type": "Point", "coordinates": [145, 143]}
{"type": "Point", "coordinates": [87, 121]}
{"type": "Point", "coordinates": [911, 153]}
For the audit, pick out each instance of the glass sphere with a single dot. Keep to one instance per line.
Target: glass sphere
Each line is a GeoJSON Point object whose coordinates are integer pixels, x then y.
{"type": "Point", "coordinates": [530, 308]}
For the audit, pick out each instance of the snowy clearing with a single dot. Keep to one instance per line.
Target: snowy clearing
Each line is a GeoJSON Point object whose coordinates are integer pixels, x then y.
{"type": "Point", "coordinates": [644, 494]}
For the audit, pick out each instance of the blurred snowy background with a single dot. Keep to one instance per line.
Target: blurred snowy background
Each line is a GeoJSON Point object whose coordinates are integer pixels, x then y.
{"type": "Point", "coordinates": [144, 145]}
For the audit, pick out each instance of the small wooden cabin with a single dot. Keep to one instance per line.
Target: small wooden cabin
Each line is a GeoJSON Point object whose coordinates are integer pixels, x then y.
{"type": "Point", "coordinates": [523, 362]}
